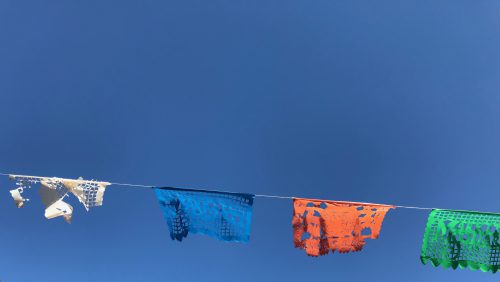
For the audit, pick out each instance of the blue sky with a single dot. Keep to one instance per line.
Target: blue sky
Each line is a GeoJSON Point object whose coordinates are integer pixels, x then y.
{"type": "Point", "coordinates": [379, 101]}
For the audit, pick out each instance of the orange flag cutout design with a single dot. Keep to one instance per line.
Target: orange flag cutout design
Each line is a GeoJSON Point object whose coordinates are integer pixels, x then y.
{"type": "Point", "coordinates": [320, 226]}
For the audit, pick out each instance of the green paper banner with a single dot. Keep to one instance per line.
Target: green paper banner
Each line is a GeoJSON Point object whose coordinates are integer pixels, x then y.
{"type": "Point", "coordinates": [464, 239]}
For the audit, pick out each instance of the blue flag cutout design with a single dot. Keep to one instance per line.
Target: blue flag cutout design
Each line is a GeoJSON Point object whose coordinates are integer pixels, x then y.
{"type": "Point", "coordinates": [225, 216]}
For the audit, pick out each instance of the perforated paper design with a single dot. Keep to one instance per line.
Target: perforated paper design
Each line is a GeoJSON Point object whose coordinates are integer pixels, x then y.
{"type": "Point", "coordinates": [225, 216]}
{"type": "Point", "coordinates": [90, 193]}
{"type": "Point", "coordinates": [56, 185]}
{"type": "Point", "coordinates": [462, 239]}
{"type": "Point", "coordinates": [21, 183]}
{"type": "Point", "coordinates": [320, 226]}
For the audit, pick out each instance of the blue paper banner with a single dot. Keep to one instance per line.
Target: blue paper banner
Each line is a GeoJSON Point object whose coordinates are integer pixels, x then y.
{"type": "Point", "coordinates": [225, 216]}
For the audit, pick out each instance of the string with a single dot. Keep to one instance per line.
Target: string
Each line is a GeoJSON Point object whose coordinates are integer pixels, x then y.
{"type": "Point", "coordinates": [257, 195]}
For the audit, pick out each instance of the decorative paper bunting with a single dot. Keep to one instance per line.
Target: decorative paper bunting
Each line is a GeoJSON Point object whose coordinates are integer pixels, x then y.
{"type": "Point", "coordinates": [320, 226]}
{"type": "Point", "coordinates": [460, 238]}
{"type": "Point", "coordinates": [89, 193]}
{"type": "Point", "coordinates": [225, 216]}
{"type": "Point", "coordinates": [452, 238]}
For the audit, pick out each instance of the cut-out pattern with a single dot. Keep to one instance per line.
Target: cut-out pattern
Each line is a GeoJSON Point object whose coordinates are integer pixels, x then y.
{"type": "Point", "coordinates": [21, 183]}
{"type": "Point", "coordinates": [462, 239]}
{"type": "Point", "coordinates": [90, 193]}
{"type": "Point", "coordinates": [225, 216]}
{"type": "Point", "coordinates": [320, 226]}
{"type": "Point", "coordinates": [55, 184]}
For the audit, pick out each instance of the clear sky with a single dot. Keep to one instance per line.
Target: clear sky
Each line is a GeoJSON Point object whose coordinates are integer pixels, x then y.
{"type": "Point", "coordinates": [379, 101]}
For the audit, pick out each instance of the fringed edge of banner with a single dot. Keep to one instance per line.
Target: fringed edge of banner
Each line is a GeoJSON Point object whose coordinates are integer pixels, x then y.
{"type": "Point", "coordinates": [462, 264]}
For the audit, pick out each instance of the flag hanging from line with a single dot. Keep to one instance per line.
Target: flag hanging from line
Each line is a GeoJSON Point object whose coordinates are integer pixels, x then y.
{"type": "Point", "coordinates": [225, 216]}
{"type": "Point", "coordinates": [320, 226]}
{"type": "Point", "coordinates": [53, 190]}
{"type": "Point", "coordinates": [462, 239]}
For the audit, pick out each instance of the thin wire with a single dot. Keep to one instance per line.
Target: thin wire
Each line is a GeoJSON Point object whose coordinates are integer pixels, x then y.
{"type": "Point", "coordinates": [132, 185]}
{"type": "Point", "coordinates": [277, 197]}
{"type": "Point", "coordinates": [415, 208]}
{"type": "Point", "coordinates": [258, 195]}
{"type": "Point", "coordinates": [288, 197]}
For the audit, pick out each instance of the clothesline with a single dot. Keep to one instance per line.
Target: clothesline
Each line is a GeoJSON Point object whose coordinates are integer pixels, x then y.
{"type": "Point", "coordinates": [256, 195]}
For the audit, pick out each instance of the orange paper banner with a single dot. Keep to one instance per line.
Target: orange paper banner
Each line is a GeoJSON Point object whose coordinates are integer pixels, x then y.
{"type": "Point", "coordinates": [320, 226]}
